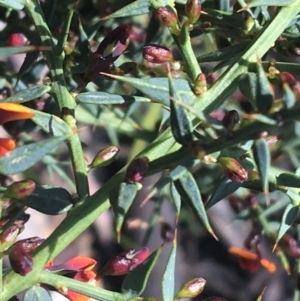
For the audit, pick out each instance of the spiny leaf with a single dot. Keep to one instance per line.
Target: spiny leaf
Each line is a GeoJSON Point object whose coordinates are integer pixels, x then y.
{"type": "Point", "coordinates": [225, 188]}
{"type": "Point", "coordinates": [31, 93]}
{"type": "Point", "coordinates": [138, 7]}
{"type": "Point", "coordinates": [289, 216]}
{"type": "Point", "coordinates": [158, 88]}
{"type": "Point", "coordinates": [264, 95]}
{"type": "Point", "coordinates": [247, 86]}
{"type": "Point", "coordinates": [289, 180]}
{"type": "Point", "coordinates": [37, 293]}
{"type": "Point", "coordinates": [263, 161]}
{"type": "Point", "coordinates": [168, 281]}
{"type": "Point", "coordinates": [270, 3]}
{"type": "Point", "coordinates": [189, 191]}
{"type": "Point", "coordinates": [101, 98]}
{"type": "Point", "coordinates": [8, 51]}
{"type": "Point", "coordinates": [48, 200]}
{"type": "Point", "coordinates": [25, 156]}
{"type": "Point", "coordinates": [13, 4]}
{"type": "Point", "coordinates": [180, 124]}
{"type": "Point", "coordinates": [126, 197]}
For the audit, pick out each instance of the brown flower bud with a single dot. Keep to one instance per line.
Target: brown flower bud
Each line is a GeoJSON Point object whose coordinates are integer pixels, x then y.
{"type": "Point", "coordinates": [233, 169]}
{"type": "Point", "coordinates": [167, 16]}
{"type": "Point", "coordinates": [193, 10]}
{"type": "Point", "coordinates": [230, 119]}
{"type": "Point", "coordinates": [108, 51]}
{"type": "Point", "coordinates": [105, 156]}
{"type": "Point", "coordinates": [8, 237]}
{"type": "Point", "coordinates": [157, 54]}
{"type": "Point", "coordinates": [137, 170]}
{"type": "Point", "coordinates": [191, 288]}
{"type": "Point", "coordinates": [125, 262]}
{"type": "Point", "coordinates": [20, 190]}
{"type": "Point", "coordinates": [167, 232]}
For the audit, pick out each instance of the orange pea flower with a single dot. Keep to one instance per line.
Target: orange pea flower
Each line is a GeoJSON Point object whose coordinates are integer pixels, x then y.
{"type": "Point", "coordinates": [10, 112]}
{"type": "Point", "coordinates": [78, 268]}
{"type": "Point", "coordinates": [251, 261]}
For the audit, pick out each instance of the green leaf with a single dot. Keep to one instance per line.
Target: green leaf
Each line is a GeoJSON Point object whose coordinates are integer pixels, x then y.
{"type": "Point", "coordinates": [176, 198]}
{"type": "Point", "coordinates": [180, 124]}
{"type": "Point", "coordinates": [37, 293]}
{"type": "Point", "coordinates": [13, 4]}
{"type": "Point", "coordinates": [126, 197]}
{"type": "Point", "coordinates": [48, 200]}
{"type": "Point", "coordinates": [289, 180]}
{"type": "Point", "coordinates": [168, 281]}
{"type": "Point", "coordinates": [255, 3]}
{"type": "Point", "coordinates": [158, 88]}
{"type": "Point", "coordinates": [138, 7]}
{"type": "Point", "coordinates": [51, 124]}
{"type": "Point", "coordinates": [28, 94]}
{"type": "Point", "coordinates": [135, 282]}
{"type": "Point", "coordinates": [101, 98]}
{"type": "Point", "coordinates": [264, 94]}
{"type": "Point", "coordinates": [288, 97]}
{"type": "Point", "coordinates": [25, 156]}
{"type": "Point", "coordinates": [225, 188]}
{"type": "Point", "coordinates": [223, 54]}
{"type": "Point", "coordinates": [263, 161]}
{"type": "Point", "coordinates": [11, 50]}
{"type": "Point", "coordinates": [247, 86]}
{"type": "Point", "coordinates": [189, 191]}
{"type": "Point", "coordinates": [289, 216]}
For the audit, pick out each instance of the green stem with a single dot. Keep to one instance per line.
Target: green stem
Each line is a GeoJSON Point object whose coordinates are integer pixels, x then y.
{"type": "Point", "coordinates": [97, 293]}
{"type": "Point", "coordinates": [62, 96]}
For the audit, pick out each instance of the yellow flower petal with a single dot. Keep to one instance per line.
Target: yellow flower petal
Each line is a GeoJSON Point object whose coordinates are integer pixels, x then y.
{"type": "Point", "coordinates": [14, 111]}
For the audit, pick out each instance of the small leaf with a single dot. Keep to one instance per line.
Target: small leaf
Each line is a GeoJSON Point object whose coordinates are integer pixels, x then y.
{"type": "Point", "coordinates": [48, 200]}
{"type": "Point", "coordinates": [25, 156]}
{"type": "Point", "coordinates": [225, 188]}
{"type": "Point", "coordinates": [101, 98]}
{"type": "Point", "coordinates": [247, 86]}
{"type": "Point", "coordinates": [135, 283]}
{"type": "Point", "coordinates": [189, 191]}
{"type": "Point", "coordinates": [37, 293]}
{"type": "Point", "coordinates": [288, 97]}
{"type": "Point", "coordinates": [289, 216]}
{"type": "Point", "coordinates": [13, 4]}
{"type": "Point", "coordinates": [138, 7]}
{"type": "Point", "coordinates": [126, 197]}
{"type": "Point", "coordinates": [51, 124]}
{"type": "Point", "coordinates": [264, 95]}
{"type": "Point", "coordinates": [28, 94]}
{"type": "Point", "coordinates": [181, 126]}
{"type": "Point", "coordinates": [168, 281]}
{"type": "Point", "coordinates": [255, 3]}
{"type": "Point", "coordinates": [289, 180]}
{"type": "Point", "coordinates": [263, 161]}
{"type": "Point", "coordinates": [157, 88]}
{"type": "Point", "coordinates": [8, 51]}
{"type": "Point", "coordinates": [175, 197]}
{"type": "Point", "coordinates": [223, 54]}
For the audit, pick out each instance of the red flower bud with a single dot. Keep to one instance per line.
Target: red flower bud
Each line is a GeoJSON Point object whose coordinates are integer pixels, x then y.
{"type": "Point", "coordinates": [166, 16]}
{"type": "Point", "coordinates": [16, 40]}
{"type": "Point", "coordinates": [137, 170]}
{"type": "Point", "coordinates": [193, 10]}
{"type": "Point", "coordinates": [191, 288]}
{"type": "Point", "coordinates": [105, 156]}
{"type": "Point", "coordinates": [20, 189]}
{"type": "Point", "coordinates": [125, 262]}
{"type": "Point", "coordinates": [157, 54]}
{"type": "Point", "coordinates": [108, 51]}
{"type": "Point", "coordinates": [8, 237]}
{"type": "Point", "coordinates": [233, 169]}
